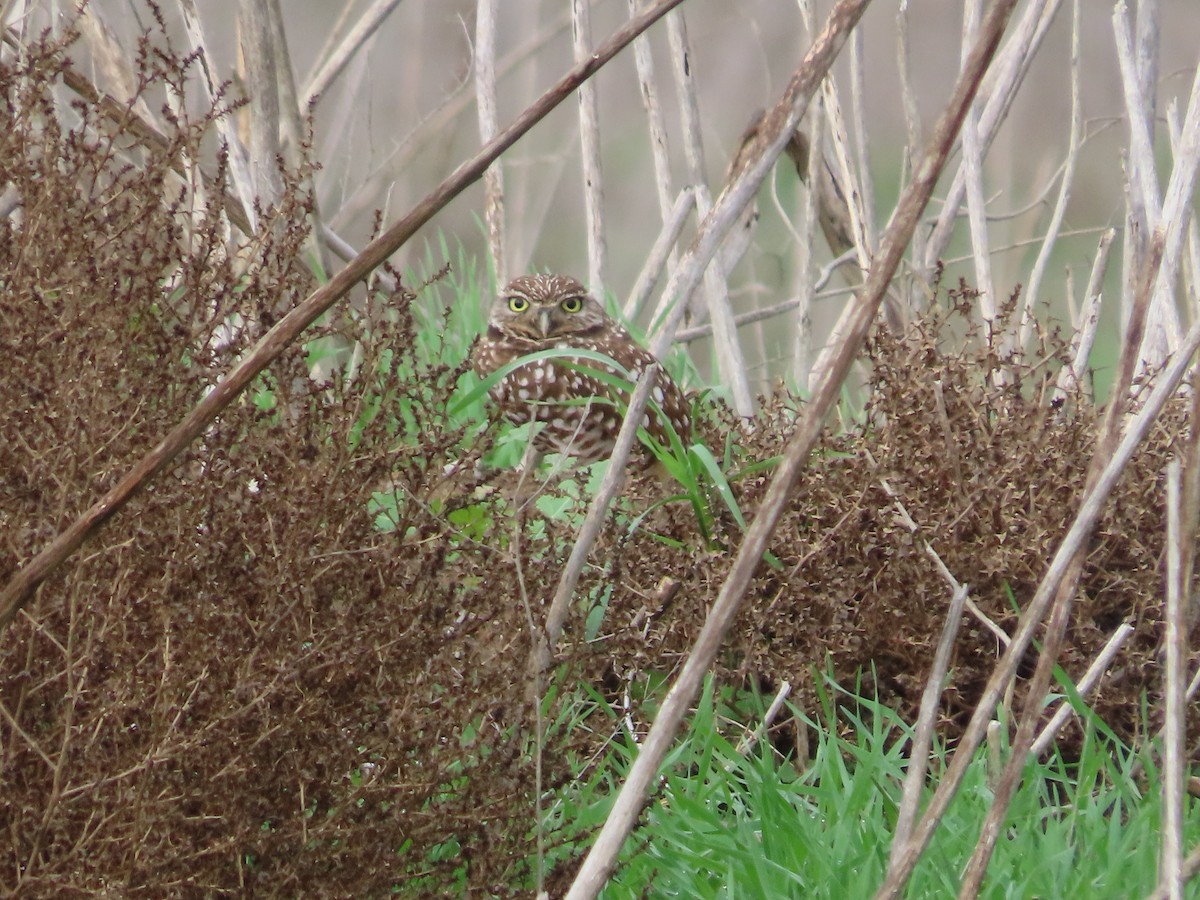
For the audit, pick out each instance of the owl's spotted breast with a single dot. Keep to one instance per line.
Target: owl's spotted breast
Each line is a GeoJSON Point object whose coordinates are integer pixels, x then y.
{"type": "Point", "coordinates": [581, 419]}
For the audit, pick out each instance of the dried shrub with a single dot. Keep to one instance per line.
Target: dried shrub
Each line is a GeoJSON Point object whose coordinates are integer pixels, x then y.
{"type": "Point", "coordinates": [244, 683]}
{"type": "Point", "coordinates": [991, 470]}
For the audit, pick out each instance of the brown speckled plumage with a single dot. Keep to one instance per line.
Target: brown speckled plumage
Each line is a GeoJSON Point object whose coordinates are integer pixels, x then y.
{"type": "Point", "coordinates": [540, 312]}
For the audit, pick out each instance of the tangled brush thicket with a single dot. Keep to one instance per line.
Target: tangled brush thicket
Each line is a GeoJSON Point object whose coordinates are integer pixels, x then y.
{"type": "Point", "coordinates": [246, 685]}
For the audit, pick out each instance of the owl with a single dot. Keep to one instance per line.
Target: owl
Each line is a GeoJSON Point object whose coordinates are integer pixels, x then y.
{"type": "Point", "coordinates": [580, 419]}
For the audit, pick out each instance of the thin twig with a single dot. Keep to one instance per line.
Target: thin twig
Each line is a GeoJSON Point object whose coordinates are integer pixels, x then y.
{"type": "Point", "coordinates": [589, 143]}
{"type": "Point", "coordinates": [922, 740]}
{"type": "Point", "coordinates": [1174, 725]}
{"type": "Point", "coordinates": [804, 301]}
{"type": "Point", "coordinates": [1033, 289]}
{"type": "Point", "coordinates": [610, 484]}
{"type": "Point", "coordinates": [1012, 65]}
{"type": "Point", "coordinates": [943, 570]}
{"type": "Point", "coordinates": [489, 124]}
{"type": "Point", "coordinates": [643, 60]}
{"type": "Point", "coordinates": [750, 741]}
{"type": "Point", "coordinates": [973, 153]}
{"type": "Point", "coordinates": [239, 168]}
{"type": "Point", "coordinates": [1100, 665]}
{"type": "Point", "coordinates": [1071, 377]}
{"type": "Point", "coordinates": [730, 362]}
{"type": "Point", "coordinates": [660, 253]}
{"type": "Point", "coordinates": [339, 57]}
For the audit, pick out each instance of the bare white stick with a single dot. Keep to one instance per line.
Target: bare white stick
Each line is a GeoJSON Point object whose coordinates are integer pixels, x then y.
{"type": "Point", "coordinates": [943, 570]}
{"type": "Point", "coordinates": [799, 303]}
{"type": "Point", "coordinates": [802, 346]}
{"type": "Point", "coordinates": [485, 95]}
{"type": "Point", "coordinates": [1089, 317]}
{"type": "Point", "coordinates": [730, 362]}
{"type": "Point", "coordinates": [1141, 126]}
{"type": "Point", "coordinates": [610, 484]}
{"type": "Point", "coordinates": [1147, 34]}
{"type": "Point", "coordinates": [589, 141]}
{"type": "Point", "coordinates": [1100, 665]}
{"type": "Point", "coordinates": [643, 60]}
{"type": "Point", "coordinates": [1175, 728]}
{"type": "Point", "coordinates": [847, 177]}
{"type": "Point", "coordinates": [341, 55]}
{"type": "Point", "coordinates": [1034, 287]}
{"type": "Point", "coordinates": [258, 65]}
{"type": "Point", "coordinates": [1193, 247]}
{"type": "Point", "coordinates": [750, 741]}
{"type": "Point", "coordinates": [660, 252]}
{"type": "Point", "coordinates": [1177, 206]}
{"type": "Point", "coordinates": [1012, 64]}
{"type": "Point", "coordinates": [922, 740]}
{"type": "Point", "coordinates": [912, 129]}
{"type": "Point", "coordinates": [862, 159]}
{"type": "Point", "coordinates": [239, 169]}
{"type": "Point", "coordinates": [973, 168]}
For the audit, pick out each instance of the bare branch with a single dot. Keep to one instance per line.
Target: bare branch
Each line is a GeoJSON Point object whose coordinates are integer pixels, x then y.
{"type": "Point", "coordinates": [485, 93]}
{"type": "Point", "coordinates": [1170, 874]}
{"type": "Point", "coordinates": [589, 142]}
{"type": "Point", "coordinates": [337, 59]}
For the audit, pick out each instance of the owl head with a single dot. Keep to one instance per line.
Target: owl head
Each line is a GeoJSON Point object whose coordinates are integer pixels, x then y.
{"type": "Point", "coordinates": [545, 307]}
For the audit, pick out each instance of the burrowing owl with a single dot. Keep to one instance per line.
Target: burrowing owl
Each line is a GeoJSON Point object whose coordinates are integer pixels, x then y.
{"type": "Point", "coordinates": [540, 312]}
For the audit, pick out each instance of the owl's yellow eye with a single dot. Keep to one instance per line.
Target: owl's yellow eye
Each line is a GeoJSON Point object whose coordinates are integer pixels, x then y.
{"type": "Point", "coordinates": [572, 304]}
{"type": "Point", "coordinates": [518, 304]}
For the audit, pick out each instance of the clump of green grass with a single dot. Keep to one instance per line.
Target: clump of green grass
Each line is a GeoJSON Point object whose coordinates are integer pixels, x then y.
{"type": "Point", "coordinates": [730, 823]}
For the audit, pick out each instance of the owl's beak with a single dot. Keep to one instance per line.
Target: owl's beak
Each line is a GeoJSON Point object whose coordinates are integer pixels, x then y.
{"type": "Point", "coordinates": [543, 320]}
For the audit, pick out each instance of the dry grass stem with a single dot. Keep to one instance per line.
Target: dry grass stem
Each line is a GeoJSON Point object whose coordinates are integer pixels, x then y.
{"type": "Point", "coordinates": [335, 59]}
{"type": "Point", "coordinates": [589, 139]}
{"type": "Point", "coordinates": [660, 253]}
{"type": "Point", "coordinates": [798, 304]}
{"type": "Point", "coordinates": [643, 58]}
{"type": "Point", "coordinates": [947, 576]}
{"type": "Point", "coordinates": [1071, 377]}
{"type": "Point", "coordinates": [239, 166]}
{"type": "Point", "coordinates": [973, 152]}
{"type": "Point", "coordinates": [1100, 665]}
{"type": "Point", "coordinates": [731, 364]}
{"type": "Point", "coordinates": [747, 744]}
{"type": "Point", "coordinates": [1175, 708]}
{"type": "Point", "coordinates": [489, 124]}
{"type": "Point", "coordinates": [997, 95]}
{"type": "Point", "coordinates": [1032, 292]}
{"type": "Point", "coordinates": [922, 739]}
{"type": "Point", "coordinates": [610, 486]}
